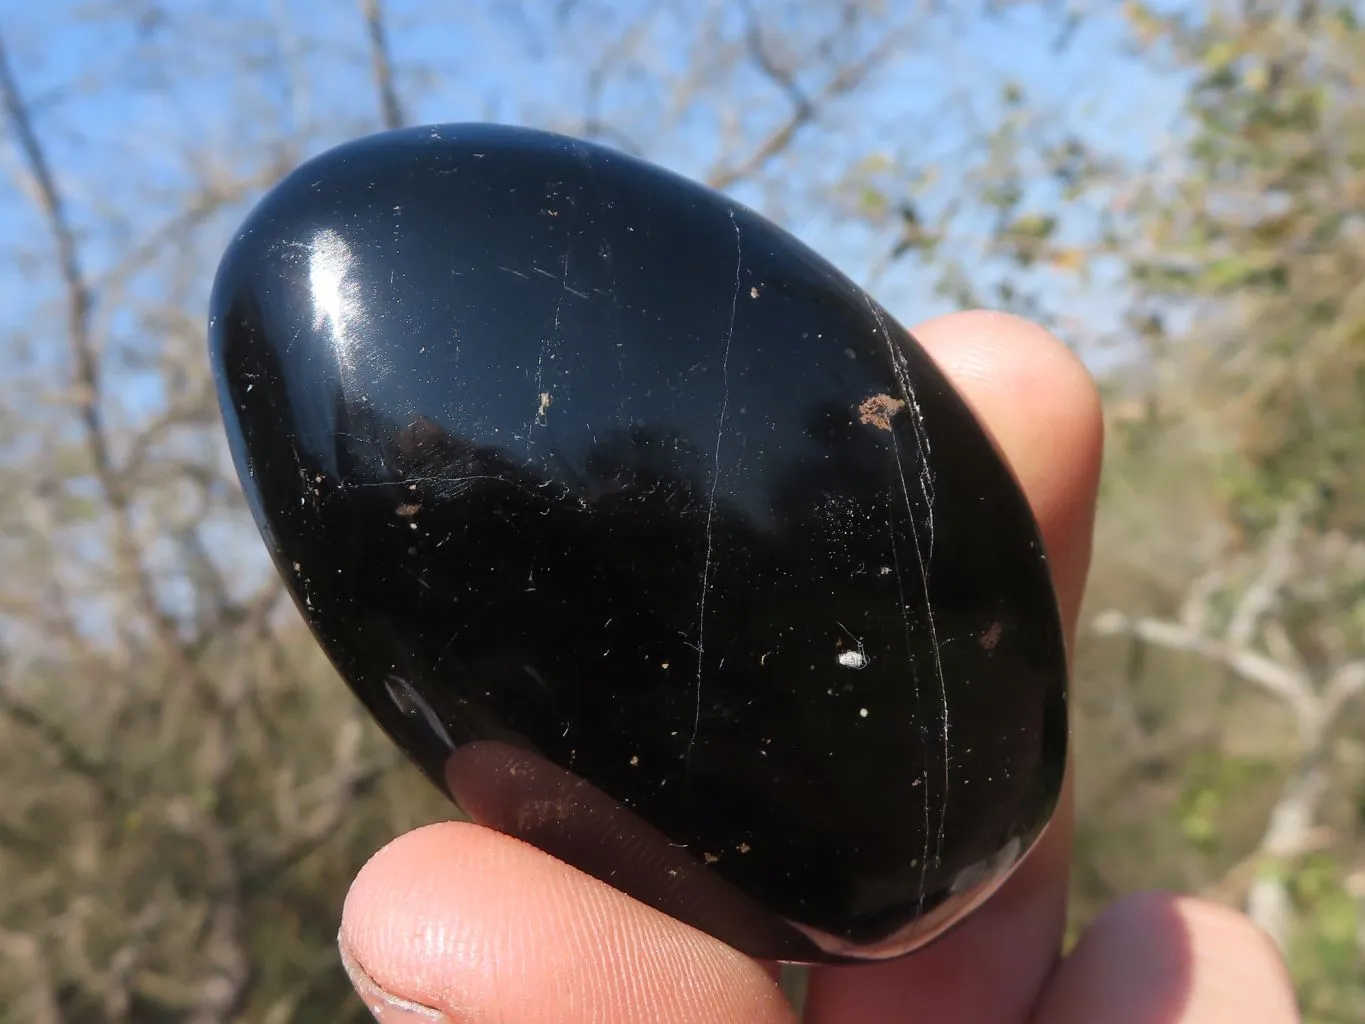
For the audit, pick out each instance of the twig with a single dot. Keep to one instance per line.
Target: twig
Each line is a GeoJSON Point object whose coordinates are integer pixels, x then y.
{"type": "Point", "coordinates": [593, 124]}
{"type": "Point", "coordinates": [318, 831]}
{"type": "Point", "coordinates": [226, 986]}
{"type": "Point", "coordinates": [1278, 680]}
{"type": "Point", "coordinates": [805, 108]}
{"type": "Point", "coordinates": [184, 410]}
{"type": "Point", "coordinates": [1315, 705]}
{"type": "Point", "coordinates": [79, 310]}
{"type": "Point", "coordinates": [69, 752]}
{"type": "Point", "coordinates": [1343, 686]}
{"type": "Point", "coordinates": [71, 757]}
{"type": "Point", "coordinates": [1278, 564]}
{"type": "Point", "coordinates": [203, 207]}
{"type": "Point", "coordinates": [1194, 610]}
{"type": "Point", "coordinates": [380, 64]}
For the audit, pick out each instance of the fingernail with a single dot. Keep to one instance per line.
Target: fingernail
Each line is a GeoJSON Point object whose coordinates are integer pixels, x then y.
{"type": "Point", "coordinates": [386, 1007]}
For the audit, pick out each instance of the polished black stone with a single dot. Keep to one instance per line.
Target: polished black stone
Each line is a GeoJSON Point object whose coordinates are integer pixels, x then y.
{"type": "Point", "coordinates": [649, 536]}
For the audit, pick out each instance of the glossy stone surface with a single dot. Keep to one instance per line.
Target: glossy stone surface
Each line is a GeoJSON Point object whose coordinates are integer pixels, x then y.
{"type": "Point", "coordinates": [650, 537]}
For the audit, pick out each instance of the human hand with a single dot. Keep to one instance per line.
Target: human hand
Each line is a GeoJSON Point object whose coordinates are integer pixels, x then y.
{"type": "Point", "coordinates": [454, 922]}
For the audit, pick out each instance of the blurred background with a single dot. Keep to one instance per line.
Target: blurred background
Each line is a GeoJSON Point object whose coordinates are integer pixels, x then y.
{"type": "Point", "coordinates": [1177, 189]}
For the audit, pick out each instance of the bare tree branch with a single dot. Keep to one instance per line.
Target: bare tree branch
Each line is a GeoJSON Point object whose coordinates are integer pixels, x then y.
{"type": "Point", "coordinates": [1315, 704]}
{"type": "Point", "coordinates": [201, 208]}
{"type": "Point", "coordinates": [1343, 686]}
{"type": "Point", "coordinates": [805, 109]}
{"type": "Point", "coordinates": [224, 990]}
{"type": "Point", "coordinates": [69, 752]}
{"type": "Point", "coordinates": [782, 77]}
{"type": "Point", "coordinates": [1194, 610]}
{"type": "Point", "coordinates": [380, 64]}
{"type": "Point", "coordinates": [1288, 836]}
{"type": "Point", "coordinates": [185, 409]}
{"type": "Point", "coordinates": [79, 309]}
{"type": "Point", "coordinates": [1274, 678]}
{"type": "Point", "coordinates": [351, 784]}
{"type": "Point", "coordinates": [594, 126]}
{"type": "Point", "coordinates": [1278, 564]}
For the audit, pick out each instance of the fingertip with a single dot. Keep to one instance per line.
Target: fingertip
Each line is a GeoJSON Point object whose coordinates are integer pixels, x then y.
{"type": "Point", "coordinates": [479, 925]}
{"type": "Point", "coordinates": [1160, 957]}
{"type": "Point", "coordinates": [1013, 357]}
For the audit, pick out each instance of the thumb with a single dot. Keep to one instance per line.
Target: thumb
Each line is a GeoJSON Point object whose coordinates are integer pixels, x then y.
{"type": "Point", "coordinates": [454, 922]}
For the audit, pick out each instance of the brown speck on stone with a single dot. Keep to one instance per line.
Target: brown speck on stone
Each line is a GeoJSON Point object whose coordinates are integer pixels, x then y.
{"type": "Point", "coordinates": [710, 858]}
{"type": "Point", "coordinates": [878, 411]}
{"type": "Point", "coordinates": [407, 510]}
{"type": "Point", "coordinates": [991, 638]}
{"type": "Point", "coordinates": [744, 847]}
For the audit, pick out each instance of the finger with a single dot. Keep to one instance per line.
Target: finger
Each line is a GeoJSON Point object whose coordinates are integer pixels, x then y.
{"type": "Point", "coordinates": [1041, 406]}
{"type": "Point", "coordinates": [1162, 959]}
{"type": "Point", "coordinates": [453, 920]}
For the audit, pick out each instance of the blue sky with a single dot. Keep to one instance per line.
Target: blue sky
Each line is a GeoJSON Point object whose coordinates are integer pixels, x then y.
{"type": "Point", "coordinates": [113, 141]}
{"type": "Point", "coordinates": [130, 111]}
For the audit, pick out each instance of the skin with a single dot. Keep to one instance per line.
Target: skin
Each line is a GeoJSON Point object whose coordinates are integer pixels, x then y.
{"type": "Point", "coordinates": [456, 923]}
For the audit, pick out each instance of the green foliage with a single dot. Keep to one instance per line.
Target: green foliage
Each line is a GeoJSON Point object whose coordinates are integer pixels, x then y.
{"type": "Point", "coordinates": [1263, 241]}
{"type": "Point", "coordinates": [1213, 782]}
{"type": "Point", "coordinates": [1325, 958]}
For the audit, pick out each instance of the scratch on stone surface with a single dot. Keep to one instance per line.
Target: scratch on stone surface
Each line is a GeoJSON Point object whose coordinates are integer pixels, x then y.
{"type": "Point", "coordinates": [715, 482]}
{"type": "Point", "coordinates": [924, 546]}
{"type": "Point", "coordinates": [434, 479]}
{"type": "Point", "coordinates": [910, 654]}
{"type": "Point", "coordinates": [563, 286]}
{"type": "Point", "coordinates": [549, 345]}
{"type": "Point", "coordinates": [448, 486]}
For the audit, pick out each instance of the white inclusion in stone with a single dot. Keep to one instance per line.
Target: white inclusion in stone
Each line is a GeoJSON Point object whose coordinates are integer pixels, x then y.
{"type": "Point", "coordinates": [853, 659]}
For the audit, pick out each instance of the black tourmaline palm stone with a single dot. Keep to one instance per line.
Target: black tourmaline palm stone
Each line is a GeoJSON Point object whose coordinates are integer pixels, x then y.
{"type": "Point", "coordinates": [646, 533]}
